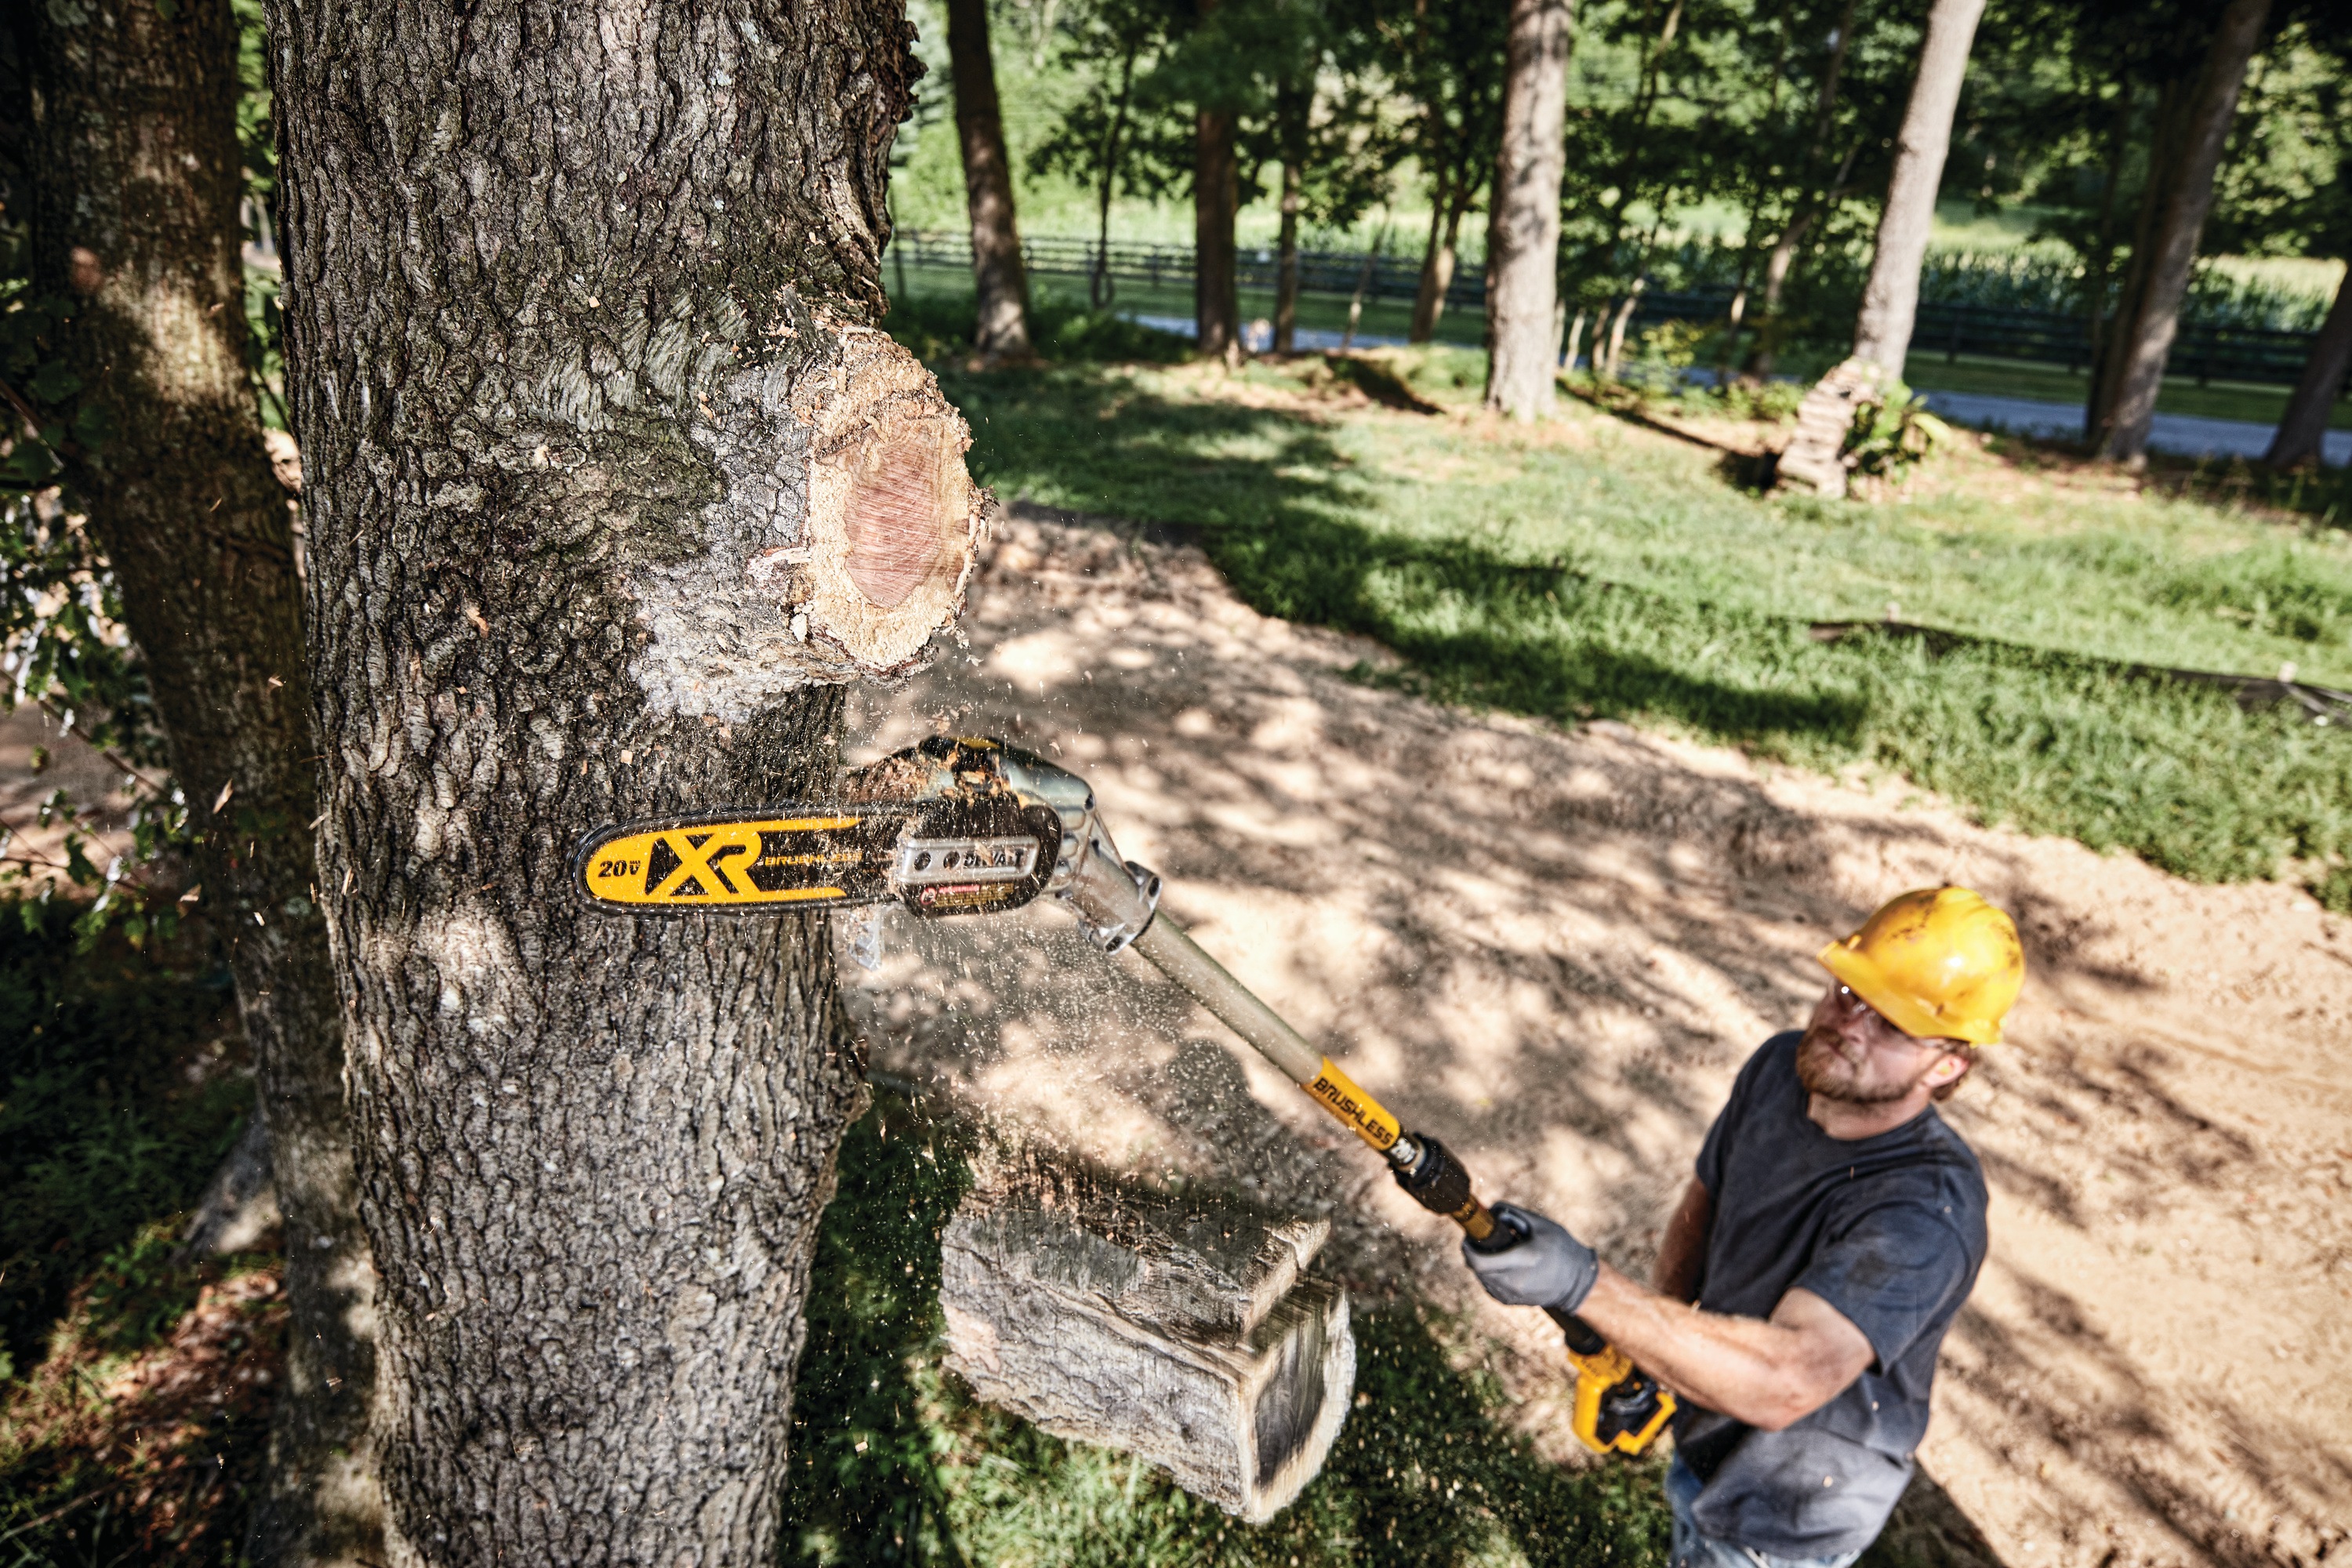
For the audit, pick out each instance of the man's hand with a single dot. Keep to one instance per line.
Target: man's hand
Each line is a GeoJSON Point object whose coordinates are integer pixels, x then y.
{"type": "Point", "coordinates": [1549, 1269]}
{"type": "Point", "coordinates": [1766, 1373]}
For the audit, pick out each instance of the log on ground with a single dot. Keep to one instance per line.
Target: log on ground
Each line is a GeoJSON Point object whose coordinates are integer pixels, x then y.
{"type": "Point", "coordinates": [1184, 1330]}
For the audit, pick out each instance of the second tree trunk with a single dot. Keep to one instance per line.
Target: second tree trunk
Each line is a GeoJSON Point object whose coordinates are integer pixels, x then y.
{"type": "Point", "coordinates": [2125, 406]}
{"type": "Point", "coordinates": [134, 214]}
{"type": "Point", "coordinates": [1001, 328]}
{"type": "Point", "coordinates": [1890, 300]}
{"type": "Point", "coordinates": [1524, 235]}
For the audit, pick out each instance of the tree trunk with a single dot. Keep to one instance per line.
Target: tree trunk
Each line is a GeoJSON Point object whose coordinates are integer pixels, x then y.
{"type": "Point", "coordinates": [1285, 281]}
{"type": "Point", "coordinates": [611, 480]}
{"type": "Point", "coordinates": [2144, 340]}
{"type": "Point", "coordinates": [1619, 322]}
{"type": "Point", "coordinates": [1437, 265]}
{"type": "Point", "coordinates": [1099, 287]}
{"type": "Point", "coordinates": [1216, 194]}
{"type": "Point", "coordinates": [1001, 328]}
{"type": "Point", "coordinates": [2163, 153]}
{"type": "Point", "coordinates": [134, 211]}
{"type": "Point", "coordinates": [1293, 105]}
{"type": "Point", "coordinates": [1778, 264]}
{"type": "Point", "coordinates": [1890, 300]}
{"type": "Point", "coordinates": [2303, 429]}
{"type": "Point", "coordinates": [1523, 260]}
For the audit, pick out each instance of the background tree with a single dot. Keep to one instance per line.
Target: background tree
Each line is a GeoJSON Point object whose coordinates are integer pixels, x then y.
{"type": "Point", "coordinates": [135, 166]}
{"type": "Point", "coordinates": [1324, 134]}
{"type": "Point", "coordinates": [1001, 328]}
{"type": "Point", "coordinates": [1447, 62]}
{"type": "Point", "coordinates": [2179, 193]}
{"type": "Point", "coordinates": [1116, 133]}
{"type": "Point", "coordinates": [1890, 299]}
{"type": "Point", "coordinates": [1523, 234]}
{"type": "Point", "coordinates": [2286, 189]}
{"type": "Point", "coordinates": [1217, 78]}
{"type": "Point", "coordinates": [611, 479]}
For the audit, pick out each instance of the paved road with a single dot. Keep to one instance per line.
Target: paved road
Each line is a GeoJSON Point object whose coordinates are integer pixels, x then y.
{"type": "Point", "coordinates": [2182, 435]}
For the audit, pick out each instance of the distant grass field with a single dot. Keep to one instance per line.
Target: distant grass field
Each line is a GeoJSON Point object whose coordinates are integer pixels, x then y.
{"type": "Point", "coordinates": [1587, 570]}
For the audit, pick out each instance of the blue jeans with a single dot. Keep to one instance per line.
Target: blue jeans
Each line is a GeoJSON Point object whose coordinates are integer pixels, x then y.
{"type": "Point", "coordinates": [1692, 1550]}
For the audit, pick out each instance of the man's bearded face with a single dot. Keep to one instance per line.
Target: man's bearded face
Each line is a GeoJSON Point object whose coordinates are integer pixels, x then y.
{"type": "Point", "coordinates": [1853, 1055]}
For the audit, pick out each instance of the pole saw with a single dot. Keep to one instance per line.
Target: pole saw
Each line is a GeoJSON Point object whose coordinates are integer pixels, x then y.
{"type": "Point", "coordinates": [973, 826]}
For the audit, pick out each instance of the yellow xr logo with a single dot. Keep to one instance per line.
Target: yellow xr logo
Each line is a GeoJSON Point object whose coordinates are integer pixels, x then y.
{"type": "Point", "coordinates": [711, 863]}
{"type": "Point", "coordinates": [701, 857]}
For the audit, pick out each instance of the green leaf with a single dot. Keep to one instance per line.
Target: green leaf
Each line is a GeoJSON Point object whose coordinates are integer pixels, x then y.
{"type": "Point", "coordinates": [54, 381]}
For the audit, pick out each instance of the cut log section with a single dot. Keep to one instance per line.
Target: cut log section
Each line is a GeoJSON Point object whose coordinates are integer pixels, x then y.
{"type": "Point", "coordinates": [1182, 1330]}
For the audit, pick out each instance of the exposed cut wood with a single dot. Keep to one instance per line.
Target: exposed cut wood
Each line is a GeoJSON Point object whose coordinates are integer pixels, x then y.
{"type": "Point", "coordinates": [1182, 1330]}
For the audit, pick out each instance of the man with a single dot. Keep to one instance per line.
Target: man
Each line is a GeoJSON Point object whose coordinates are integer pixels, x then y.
{"type": "Point", "coordinates": [1834, 1228]}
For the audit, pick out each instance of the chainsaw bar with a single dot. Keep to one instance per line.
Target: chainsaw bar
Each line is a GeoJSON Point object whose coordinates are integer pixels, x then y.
{"type": "Point", "coordinates": [973, 854]}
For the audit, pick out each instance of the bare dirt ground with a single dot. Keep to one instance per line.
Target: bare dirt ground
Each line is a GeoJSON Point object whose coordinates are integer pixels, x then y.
{"type": "Point", "coordinates": [1553, 950]}
{"type": "Point", "coordinates": [95, 785]}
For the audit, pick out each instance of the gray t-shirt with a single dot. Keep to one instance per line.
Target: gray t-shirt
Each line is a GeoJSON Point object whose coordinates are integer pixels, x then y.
{"type": "Point", "coordinates": [1890, 1231]}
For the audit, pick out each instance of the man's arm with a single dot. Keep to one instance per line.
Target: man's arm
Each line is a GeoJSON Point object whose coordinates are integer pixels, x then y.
{"type": "Point", "coordinates": [1767, 1374]}
{"type": "Point", "coordinates": [1682, 1256]}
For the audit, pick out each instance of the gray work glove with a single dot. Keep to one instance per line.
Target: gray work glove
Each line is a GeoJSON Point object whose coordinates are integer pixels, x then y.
{"type": "Point", "coordinates": [1551, 1269]}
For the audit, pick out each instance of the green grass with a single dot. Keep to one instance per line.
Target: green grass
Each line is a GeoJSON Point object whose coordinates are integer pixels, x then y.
{"type": "Point", "coordinates": [891, 1464]}
{"type": "Point", "coordinates": [1591, 572]}
{"type": "Point", "coordinates": [101, 1130]}
{"type": "Point", "coordinates": [119, 1094]}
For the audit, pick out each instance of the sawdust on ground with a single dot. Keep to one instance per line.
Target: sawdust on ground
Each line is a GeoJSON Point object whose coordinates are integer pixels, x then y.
{"type": "Point", "coordinates": [1553, 950]}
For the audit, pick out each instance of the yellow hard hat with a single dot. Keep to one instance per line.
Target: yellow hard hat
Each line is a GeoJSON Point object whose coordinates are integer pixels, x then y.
{"type": "Point", "coordinates": [1937, 963]}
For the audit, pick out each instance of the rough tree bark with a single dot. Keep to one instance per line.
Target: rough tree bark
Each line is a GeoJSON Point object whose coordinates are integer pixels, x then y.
{"type": "Point", "coordinates": [2119, 421]}
{"type": "Point", "coordinates": [1216, 194]}
{"type": "Point", "coordinates": [611, 477]}
{"type": "Point", "coordinates": [136, 181]}
{"type": "Point", "coordinates": [1002, 329]}
{"type": "Point", "coordinates": [1890, 299]}
{"type": "Point", "coordinates": [1523, 351]}
{"type": "Point", "coordinates": [2304, 427]}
